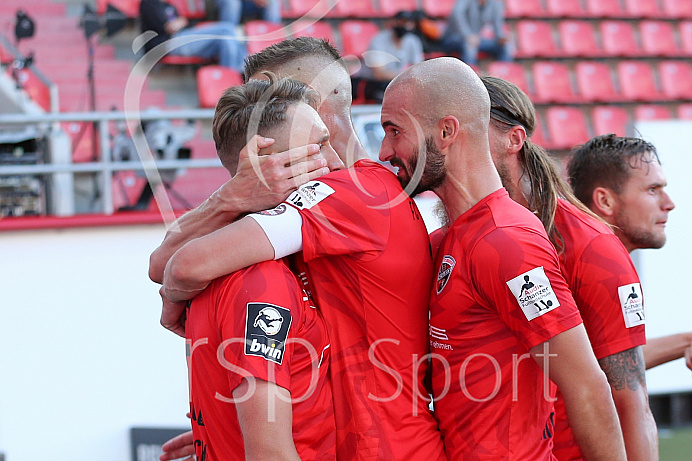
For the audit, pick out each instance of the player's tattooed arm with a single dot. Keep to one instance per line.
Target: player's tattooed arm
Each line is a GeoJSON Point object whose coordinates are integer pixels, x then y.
{"type": "Point", "coordinates": [625, 370]}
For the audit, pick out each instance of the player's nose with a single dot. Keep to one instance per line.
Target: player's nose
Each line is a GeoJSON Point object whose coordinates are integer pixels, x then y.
{"type": "Point", "coordinates": [668, 204]}
{"type": "Point", "coordinates": [334, 162]}
{"type": "Point", "coordinates": [386, 152]}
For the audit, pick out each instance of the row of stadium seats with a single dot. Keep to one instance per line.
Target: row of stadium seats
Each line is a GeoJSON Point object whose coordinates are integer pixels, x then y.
{"type": "Point", "coordinates": [636, 81]}
{"type": "Point", "coordinates": [535, 39]}
{"type": "Point", "coordinates": [614, 38]}
{"type": "Point", "coordinates": [675, 9]}
{"type": "Point", "coordinates": [567, 126]}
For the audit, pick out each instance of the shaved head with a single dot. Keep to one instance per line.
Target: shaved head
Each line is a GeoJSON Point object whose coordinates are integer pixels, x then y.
{"type": "Point", "coordinates": [446, 86]}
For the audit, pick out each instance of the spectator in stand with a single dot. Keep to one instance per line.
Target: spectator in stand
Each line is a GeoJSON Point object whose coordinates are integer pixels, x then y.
{"type": "Point", "coordinates": [464, 33]}
{"type": "Point", "coordinates": [235, 11]}
{"type": "Point", "coordinates": [391, 51]}
{"type": "Point", "coordinates": [428, 31]}
{"type": "Point", "coordinates": [220, 40]}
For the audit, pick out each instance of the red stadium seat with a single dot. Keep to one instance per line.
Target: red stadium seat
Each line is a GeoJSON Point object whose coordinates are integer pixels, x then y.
{"type": "Point", "coordinates": [642, 8]}
{"type": "Point", "coordinates": [535, 39]}
{"type": "Point", "coordinates": [618, 39]}
{"type": "Point", "coordinates": [308, 8]}
{"type": "Point", "coordinates": [637, 81]}
{"type": "Point", "coordinates": [355, 9]}
{"type": "Point", "coordinates": [686, 37]}
{"type": "Point", "coordinates": [38, 11]}
{"type": "Point", "coordinates": [184, 60]}
{"type": "Point", "coordinates": [680, 9]}
{"type": "Point", "coordinates": [552, 83]}
{"type": "Point", "coordinates": [604, 9]}
{"type": "Point", "coordinates": [389, 8]}
{"type": "Point", "coordinates": [524, 9]}
{"type": "Point", "coordinates": [356, 36]}
{"type": "Point", "coordinates": [648, 112]}
{"type": "Point", "coordinates": [212, 81]}
{"type": "Point", "coordinates": [676, 79]}
{"type": "Point", "coordinates": [609, 119]}
{"type": "Point", "coordinates": [578, 38]}
{"type": "Point", "coordinates": [308, 28]}
{"type": "Point", "coordinates": [510, 71]}
{"type": "Point", "coordinates": [565, 8]}
{"type": "Point", "coordinates": [261, 34]}
{"type": "Point", "coordinates": [595, 82]}
{"type": "Point", "coordinates": [658, 38]}
{"type": "Point", "coordinates": [685, 111]}
{"type": "Point", "coordinates": [566, 126]}
{"type": "Point", "coordinates": [129, 8]}
{"type": "Point", "coordinates": [438, 8]}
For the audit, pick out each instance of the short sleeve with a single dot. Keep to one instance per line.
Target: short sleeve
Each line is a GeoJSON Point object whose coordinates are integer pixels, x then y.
{"type": "Point", "coordinates": [516, 271]}
{"type": "Point", "coordinates": [344, 213]}
{"type": "Point", "coordinates": [604, 271]}
{"type": "Point", "coordinates": [257, 314]}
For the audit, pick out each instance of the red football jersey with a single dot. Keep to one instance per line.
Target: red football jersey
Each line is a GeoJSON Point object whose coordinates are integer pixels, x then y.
{"type": "Point", "coordinates": [499, 292]}
{"type": "Point", "coordinates": [258, 323]}
{"type": "Point", "coordinates": [368, 257]}
{"type": "Point", "coordinates": [601, 276]}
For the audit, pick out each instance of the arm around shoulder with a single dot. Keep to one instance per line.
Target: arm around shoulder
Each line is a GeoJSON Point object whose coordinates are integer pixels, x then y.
{"type": "Point", "coordinates": [222, 252]}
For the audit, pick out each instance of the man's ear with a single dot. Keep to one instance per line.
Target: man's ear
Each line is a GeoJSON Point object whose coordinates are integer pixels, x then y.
{"type": "Point", "coordinates": [604, 202]}
{"type": "Point", "coordinates": [517, 138]}
{"type": "Point", "coordinates": [449, 130]}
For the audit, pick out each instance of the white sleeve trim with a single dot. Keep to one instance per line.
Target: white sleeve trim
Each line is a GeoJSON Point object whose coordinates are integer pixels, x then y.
{"type": "Point", "coordinates": [283, 227]}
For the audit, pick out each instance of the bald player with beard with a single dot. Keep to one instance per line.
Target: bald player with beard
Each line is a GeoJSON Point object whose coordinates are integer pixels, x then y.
{"type": "Point", "coordinates": [499, 298]}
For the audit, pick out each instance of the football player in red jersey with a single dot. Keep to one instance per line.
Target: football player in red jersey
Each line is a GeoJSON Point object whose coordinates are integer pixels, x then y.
{"type": "Point", "coordinates": [258, 351]}
{"type": "Point", "coordinates": [632, 198]}
{"type": "Point", "coordinates": [499, 297]}
{"type": "Point", "coordinates": [596, 266]}
{"type": "Point", "coordinates": [353, 226]}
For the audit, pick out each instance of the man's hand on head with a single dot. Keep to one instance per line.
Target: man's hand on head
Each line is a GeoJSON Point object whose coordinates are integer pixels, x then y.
{"type": "Point", "coordinates": [263, 181]}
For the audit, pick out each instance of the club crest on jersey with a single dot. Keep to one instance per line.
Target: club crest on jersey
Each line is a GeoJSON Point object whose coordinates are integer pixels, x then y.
{"type": "Point", "coordinates": [266, 331]}
{"type": "Point", "coordinates": [445, 272]}
{"type": "Point", "coordinates": [280, 209]}
{"type": "Point", "coordinates": [310, 194]}
{"type": "Point", "coordinates": [632, 304]}
{"type": "Point", "coordinates": [534, 293]}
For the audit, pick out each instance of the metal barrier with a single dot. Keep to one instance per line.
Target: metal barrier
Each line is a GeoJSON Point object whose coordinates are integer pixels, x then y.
{"type": "Point", "coordinates": [47, 123]}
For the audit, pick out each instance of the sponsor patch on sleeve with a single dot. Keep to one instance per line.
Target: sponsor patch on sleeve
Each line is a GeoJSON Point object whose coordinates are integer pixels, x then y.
{"type": "Point", "coordinates": [632, 304]}
{"type": "Point", "coordinates": [266, 331]}
{"type": "Point", "coordinates": [309, 195]}
{"type": "Point", "coordinates": [534, 293]}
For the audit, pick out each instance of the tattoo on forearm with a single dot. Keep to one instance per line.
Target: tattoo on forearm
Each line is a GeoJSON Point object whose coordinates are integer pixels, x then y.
{"type": "Point", "coordinates": [625, 369]}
